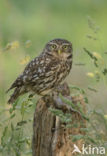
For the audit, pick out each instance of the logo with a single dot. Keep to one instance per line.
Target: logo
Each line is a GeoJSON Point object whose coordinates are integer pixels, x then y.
{"type": "Point", "coordinates": [76, 149]}
{"type": "Point", "coordinates": [89, 150]}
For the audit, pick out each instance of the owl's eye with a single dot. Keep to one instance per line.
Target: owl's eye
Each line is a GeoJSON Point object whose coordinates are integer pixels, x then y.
{"type": "Point", "coordinates": [53, 46]}
{"type": "Point", "coordinates": [65, 47]}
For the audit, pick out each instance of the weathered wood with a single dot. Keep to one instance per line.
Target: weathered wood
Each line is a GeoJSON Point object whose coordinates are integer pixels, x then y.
{"type": "Point", "coordinates": [50, 137]}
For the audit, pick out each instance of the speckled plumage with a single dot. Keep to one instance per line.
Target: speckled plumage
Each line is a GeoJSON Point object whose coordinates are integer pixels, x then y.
{"type": "Point", "coordinates": [45, 72]}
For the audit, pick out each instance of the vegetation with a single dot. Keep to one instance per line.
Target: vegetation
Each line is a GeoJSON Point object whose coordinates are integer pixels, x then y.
{"type": "Point", "coordinates": [25, 27]}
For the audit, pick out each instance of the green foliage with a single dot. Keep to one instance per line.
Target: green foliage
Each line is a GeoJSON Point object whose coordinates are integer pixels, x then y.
{"type": "Point", "coordinates": [64, 117]}
{"type": "Point", "coordinates": [25, 27]}
{"type": "Point", "coordinates": [14, 140]}
{"type": "Point", "coordinates": [98, 121]}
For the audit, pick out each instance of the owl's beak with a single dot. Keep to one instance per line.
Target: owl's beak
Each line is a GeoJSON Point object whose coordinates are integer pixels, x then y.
{"type": "Point", "coordinates": [59, 51]}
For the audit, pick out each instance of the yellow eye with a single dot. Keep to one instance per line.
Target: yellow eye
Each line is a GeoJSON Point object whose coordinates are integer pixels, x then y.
{"type": "Point", "coordinates": [53, 46]}
{"type": "Point", "coordinates": [65, 47]}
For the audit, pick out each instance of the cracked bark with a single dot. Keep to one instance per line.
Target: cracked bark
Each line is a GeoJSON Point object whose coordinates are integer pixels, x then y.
{"type": "Point", "coordinates": [50, 137]}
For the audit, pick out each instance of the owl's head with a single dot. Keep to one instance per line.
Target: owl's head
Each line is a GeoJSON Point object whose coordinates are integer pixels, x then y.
{"type": "Point", "coordinates": [59, 48]}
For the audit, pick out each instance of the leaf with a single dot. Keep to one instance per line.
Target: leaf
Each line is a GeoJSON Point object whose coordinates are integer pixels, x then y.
{"type": "Point", "coordinates": [67, 101]}
{"type": "Point", "coordinates": [86, 99]}
{"type": "Point", "coordinates": [91, 139]}
{"type": "Point", "coordinates": [12, 127]}
{"type": "Point", "coordinates": [82, 91]}
{"type": "Point", "coordinates": [76, 137]}
{"type": "Point", "coordinates": [92, 89]}
{"type": "Point", "coordinates": [55, 111]}
{"type": "Point", "coordinates": [3, 136]}
{"type": "Point", "coordinates": [23, 108]}
{"type": "Point", "coordinates": [104, 71]}
{"type": "Point", "coordinates": [12, 116]}
{"type": "Point", "coordinates": [13, 106]}
{"type": "Point", "coordinates": [90, 54]}
{"type": "Point", "coordinates": [21, 123]}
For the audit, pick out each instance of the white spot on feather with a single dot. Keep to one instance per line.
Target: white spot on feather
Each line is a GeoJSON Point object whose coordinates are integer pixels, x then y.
{"type": "Point", "coordinates": [39, 70]}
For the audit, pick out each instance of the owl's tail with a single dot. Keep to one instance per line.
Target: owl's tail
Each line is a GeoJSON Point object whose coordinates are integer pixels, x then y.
{"type": "Point", "coordinates": [14, 96]}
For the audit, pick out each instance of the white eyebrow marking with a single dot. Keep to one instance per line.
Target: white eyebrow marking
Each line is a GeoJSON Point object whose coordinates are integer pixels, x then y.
{"type": "Point", "coordinates": [53, 43]}
{"type": "Point", "coordinates": [65, 43]}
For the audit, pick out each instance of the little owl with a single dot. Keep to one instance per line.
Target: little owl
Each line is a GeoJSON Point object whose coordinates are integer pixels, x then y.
{"type": "Point", "coordinates": [45, 72]}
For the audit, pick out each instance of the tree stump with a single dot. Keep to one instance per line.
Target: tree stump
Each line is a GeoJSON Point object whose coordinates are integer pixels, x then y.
{"type": "Point", "coordinates": [50, 136]}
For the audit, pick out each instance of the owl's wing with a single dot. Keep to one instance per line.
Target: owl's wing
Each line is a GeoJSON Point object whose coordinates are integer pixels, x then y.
{"type": "Point", "coordinates": [38, 69]}
{"type": "Point", "coordinates": [20, 79]}
{"type": "Point", "coordinates": [17, 83]}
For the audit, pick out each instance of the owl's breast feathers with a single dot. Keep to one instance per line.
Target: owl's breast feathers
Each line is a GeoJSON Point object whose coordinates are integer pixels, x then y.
{"type": "Point", "coordinates": [48, 74]}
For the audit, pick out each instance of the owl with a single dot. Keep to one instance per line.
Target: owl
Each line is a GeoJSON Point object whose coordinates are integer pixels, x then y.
{"type": "Point", "coordinates": [45, 72]}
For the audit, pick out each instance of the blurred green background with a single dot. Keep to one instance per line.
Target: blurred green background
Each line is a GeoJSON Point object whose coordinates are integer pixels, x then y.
{"type": "Point", "coordinates": [25, 27]}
